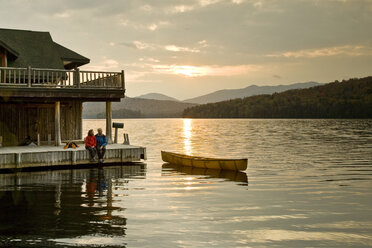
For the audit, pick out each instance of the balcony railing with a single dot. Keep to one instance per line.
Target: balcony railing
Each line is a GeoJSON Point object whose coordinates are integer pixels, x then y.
{"type": "Point", "coordinates": [36, 77]}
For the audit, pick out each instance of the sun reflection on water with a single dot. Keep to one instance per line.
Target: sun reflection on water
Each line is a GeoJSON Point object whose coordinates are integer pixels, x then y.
{"type": "Point", "coordinates": [187, 128]}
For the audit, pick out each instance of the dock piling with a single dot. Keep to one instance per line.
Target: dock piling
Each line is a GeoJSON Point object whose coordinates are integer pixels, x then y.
{"type": "Point", "coordinates": [18, 159]}
{"type": "Point", "coordinates": [73, 157]}
{"type": "Point", "coordinates": [126, 139]}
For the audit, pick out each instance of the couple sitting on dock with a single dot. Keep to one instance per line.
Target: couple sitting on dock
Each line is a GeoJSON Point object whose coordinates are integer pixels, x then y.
{"type": "Point", "coordinates": [96, 144]}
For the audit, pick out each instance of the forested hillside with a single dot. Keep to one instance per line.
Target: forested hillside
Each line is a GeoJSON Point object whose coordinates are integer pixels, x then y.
{"type": "Point", "coordinates": [136, 108]}
{"type": "Point", "coordinates": [252, 90]}
{"type": "Point", "coordinates": [346, 99]}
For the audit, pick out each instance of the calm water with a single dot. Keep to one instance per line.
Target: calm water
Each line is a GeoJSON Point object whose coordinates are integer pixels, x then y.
{"type": "Point", "coordinates": [308, 184]}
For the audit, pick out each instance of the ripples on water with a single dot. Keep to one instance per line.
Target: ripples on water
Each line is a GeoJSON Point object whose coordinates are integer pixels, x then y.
{"type": "Point", "coordinates": [308, 184]}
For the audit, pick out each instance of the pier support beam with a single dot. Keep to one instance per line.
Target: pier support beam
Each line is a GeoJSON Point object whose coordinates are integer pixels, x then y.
{"type": "Point", "coordinates": [108, 123]}
{"type": "Point", "coordinates": [57, 123]}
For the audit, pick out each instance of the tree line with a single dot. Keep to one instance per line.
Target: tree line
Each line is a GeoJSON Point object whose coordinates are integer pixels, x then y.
{"type": "Point", "coordinates": [346, 99]}
{"type": "Point", "coordinates": [121, 114]}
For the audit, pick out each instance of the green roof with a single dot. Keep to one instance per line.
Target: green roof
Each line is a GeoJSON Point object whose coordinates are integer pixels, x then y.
{"type": "Point", "coordinates": [38, 50]}
{"type": "Point", "coordinates": [70, 58]}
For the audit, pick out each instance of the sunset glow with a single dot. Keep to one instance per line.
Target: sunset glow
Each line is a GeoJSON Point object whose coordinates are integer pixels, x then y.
{"type": "Point", "coordinates": [200, 71]}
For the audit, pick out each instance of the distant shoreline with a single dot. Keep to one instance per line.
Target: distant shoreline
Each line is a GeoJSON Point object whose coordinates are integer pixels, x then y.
{"type": "Point", "coordinates": [351, 99]}
{"type": "Point", "coordinates": [237, 118]}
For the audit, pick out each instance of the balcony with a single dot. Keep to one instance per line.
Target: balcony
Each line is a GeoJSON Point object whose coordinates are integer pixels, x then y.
{"type": "Point", "coordinates": [51, 84]}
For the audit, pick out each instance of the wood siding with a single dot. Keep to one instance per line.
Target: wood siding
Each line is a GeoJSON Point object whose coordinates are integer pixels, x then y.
{"type": "Point", "coordinates": [17, 121]}
{"type": "Point", "coordinates": [3, 58]}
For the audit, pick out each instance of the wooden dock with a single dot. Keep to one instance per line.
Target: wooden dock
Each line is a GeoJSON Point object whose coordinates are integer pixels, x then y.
{"type": "Point", "coordinates": [20, 157]}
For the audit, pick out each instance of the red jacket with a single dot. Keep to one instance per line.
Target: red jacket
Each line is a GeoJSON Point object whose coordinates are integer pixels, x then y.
{"type": "Point", "coordinates": [90, 141]}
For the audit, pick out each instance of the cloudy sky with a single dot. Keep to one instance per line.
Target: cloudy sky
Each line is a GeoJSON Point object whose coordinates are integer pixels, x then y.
{"type": "Point", "coordinates": [186, 48]}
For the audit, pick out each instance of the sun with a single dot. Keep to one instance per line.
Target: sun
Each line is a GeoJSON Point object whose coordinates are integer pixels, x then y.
{"type": "Point", "coordinates": [188, 71]}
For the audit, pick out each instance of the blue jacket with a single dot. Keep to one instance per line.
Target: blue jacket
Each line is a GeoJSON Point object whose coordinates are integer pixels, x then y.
{"type": "Point", "coordinates": [101, 140]}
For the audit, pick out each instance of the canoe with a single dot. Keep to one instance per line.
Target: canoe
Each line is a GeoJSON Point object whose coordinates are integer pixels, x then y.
{"type": "Point", "coordinates": [202, 162]}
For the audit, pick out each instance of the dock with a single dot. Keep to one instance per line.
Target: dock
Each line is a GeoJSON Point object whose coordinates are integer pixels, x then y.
{"type": "Point", "coordinates": [21, 157]}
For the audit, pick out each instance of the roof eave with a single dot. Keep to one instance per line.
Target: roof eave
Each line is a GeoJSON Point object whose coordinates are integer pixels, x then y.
{"type": "Point", "coordinates": [75, 64]}
{"type": "Point", "coordinates": [9, 49]}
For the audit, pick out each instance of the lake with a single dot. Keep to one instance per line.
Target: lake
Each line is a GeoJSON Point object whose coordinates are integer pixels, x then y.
{"type": "Point", "coordinates": [308, 184]}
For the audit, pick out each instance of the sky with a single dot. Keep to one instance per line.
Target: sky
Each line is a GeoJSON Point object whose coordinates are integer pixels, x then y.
{"type": "Point", "coordinates": [187, 48]}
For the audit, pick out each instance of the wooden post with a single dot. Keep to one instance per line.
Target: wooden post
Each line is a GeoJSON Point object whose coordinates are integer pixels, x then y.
{"type": "Point", "coordinates": [1, 141]}
{"type": "Point", "coordinates": [144, 154]}
{"type": "Point", "coordinates": [29, 76]}
{"type": "Point", "coordinates": [57, 123]}
{"type": "Point", "coordinates": [77, 77]}
{"type": "Point", "coordinates": [108, 123]}
{"type": "Point", "coordinates": [116, 135]}
{"type": "Point", "coordinates": [122, 80]}
{"type": "Point", "coordinates": [49, 139]}
{"type": "Point", "coordinates": [38, 139]}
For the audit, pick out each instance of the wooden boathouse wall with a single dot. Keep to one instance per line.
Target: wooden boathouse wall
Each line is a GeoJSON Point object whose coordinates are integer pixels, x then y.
{"type": "Point", "coordinates": [18, 120]}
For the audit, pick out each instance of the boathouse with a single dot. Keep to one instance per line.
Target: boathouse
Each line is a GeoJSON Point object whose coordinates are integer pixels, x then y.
{"type": "Point", "coordinates": [42, 89]}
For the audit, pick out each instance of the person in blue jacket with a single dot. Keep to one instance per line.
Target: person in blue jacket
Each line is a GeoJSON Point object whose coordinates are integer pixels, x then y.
{"type": "Point", "coordinates": [101, 144]}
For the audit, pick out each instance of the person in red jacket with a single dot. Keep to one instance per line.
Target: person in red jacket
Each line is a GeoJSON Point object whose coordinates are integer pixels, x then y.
{"type": "Point", "coordinates": [90, 145]}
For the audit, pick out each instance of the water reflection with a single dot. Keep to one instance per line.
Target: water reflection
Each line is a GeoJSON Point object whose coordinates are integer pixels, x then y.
{"type": "Point", "coordinates": [296, 168]}
{"type": "Point", "coordinates": [96, 186]}
{"type": "Point", "coordinates": [273, 235]}
{"type": "Point", "coordinates": [187, 128]}
{"type": "Point", "coordinates": [62, 205]}
{"type": "Point", "coordinates": [237, 176]}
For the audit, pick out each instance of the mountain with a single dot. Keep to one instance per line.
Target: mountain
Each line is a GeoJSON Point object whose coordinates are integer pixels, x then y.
{"type": "Point", "coordinates": [223, 95]}
{"type": "Point", "coordinates": [157, 96]}
{"type": "Point", "coordinates": [346, 99]}
{"type": "Point", "coordinates": [136, 108]}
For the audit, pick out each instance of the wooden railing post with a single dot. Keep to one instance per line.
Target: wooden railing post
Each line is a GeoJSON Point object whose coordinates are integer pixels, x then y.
{"type": "Point", "coordinates": [122, 79]}
{"type": "Point", "coordinates": [29, 76]}
{"type": "Point", "coordinates": [77, 77]}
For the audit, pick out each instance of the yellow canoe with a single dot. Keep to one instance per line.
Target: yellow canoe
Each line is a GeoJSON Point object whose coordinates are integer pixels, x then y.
{"type": "Point", "coordinates": [201, 162]}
